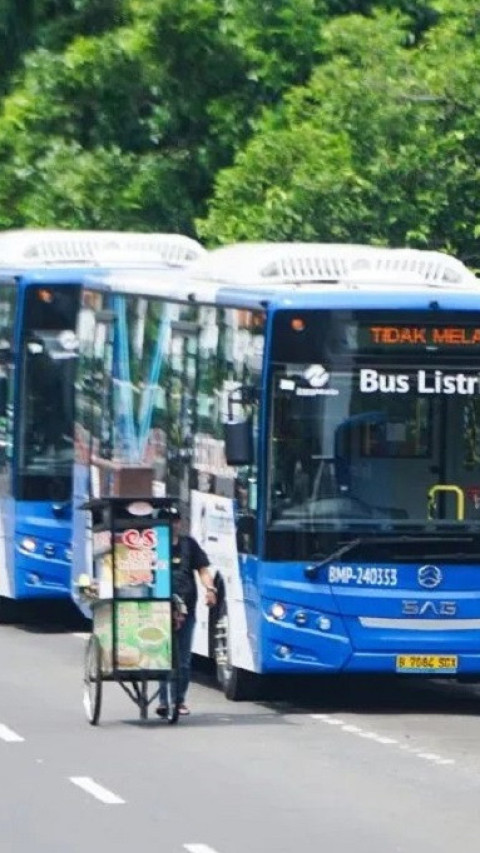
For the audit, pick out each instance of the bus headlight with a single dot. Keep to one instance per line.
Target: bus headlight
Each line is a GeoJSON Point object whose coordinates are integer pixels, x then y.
{"type": "Point", "coordinates": [28, 544]}
{"type": "Point", "coordinates": [278, 611]}
{"type": "Point", "coordinates": [283, 651]}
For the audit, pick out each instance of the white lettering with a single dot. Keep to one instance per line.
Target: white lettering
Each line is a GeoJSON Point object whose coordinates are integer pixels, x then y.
{"type": "Point", "coordinates": [423, 387]}
{"type": "Point", "coordinates": [427, 382]}
{"type": "Point", "coordinates": [362, 575]}
{"type": "Point", "coordinates": [403, 384]}
{"type": "Point", "coordinates": [387, 383]}
{"type": "Point", "coordinates": [368, 381]}
{"type": "Point", "coordinates": [449, 385]}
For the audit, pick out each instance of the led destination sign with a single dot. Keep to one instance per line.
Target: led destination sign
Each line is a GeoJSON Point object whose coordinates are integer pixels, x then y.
{"type": "Point", "coordinates": [420, 336]}
{"type": "Point", "coordinates": [314, 336]}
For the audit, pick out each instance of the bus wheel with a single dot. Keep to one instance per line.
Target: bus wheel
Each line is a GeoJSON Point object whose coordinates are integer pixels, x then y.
{"type": "Point", "coordinates": [236, 683]}
{"type": "Point", "coordinates": [9, 611]}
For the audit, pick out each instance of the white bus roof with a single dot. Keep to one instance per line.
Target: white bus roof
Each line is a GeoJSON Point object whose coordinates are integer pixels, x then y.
{"type": "Point", "coordinates": [273, 264]}
{"type": "Point", "coordinates": [30, 248]}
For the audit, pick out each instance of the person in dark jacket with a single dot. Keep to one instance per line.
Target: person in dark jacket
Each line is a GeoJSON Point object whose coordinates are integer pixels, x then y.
{"type": "Point", "coordinates": [188, 559]}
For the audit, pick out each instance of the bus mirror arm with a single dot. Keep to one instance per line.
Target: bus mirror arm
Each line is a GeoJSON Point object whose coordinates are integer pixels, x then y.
{"type": "Point", "coordinates": [243, 395]}
{"type": "Point", "coordinates": [61, 509]}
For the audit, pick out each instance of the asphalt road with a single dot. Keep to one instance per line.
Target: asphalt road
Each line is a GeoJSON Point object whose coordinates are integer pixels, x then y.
{"type": "Point", "coordinates": [362, 766]}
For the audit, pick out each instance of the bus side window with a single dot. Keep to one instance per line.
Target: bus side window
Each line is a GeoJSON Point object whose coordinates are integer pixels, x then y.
{"type": "Point", "coordinates": [7, 324]}
{"type": "Point", "coordinates": [245, 517]}
{"type": "Point", "coordinates": [3, 418]}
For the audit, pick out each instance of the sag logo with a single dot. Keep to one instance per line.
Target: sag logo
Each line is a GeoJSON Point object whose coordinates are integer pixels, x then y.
{"type": "Point", "coordinates": [411, 607]}
{"type": "Point", "coordinates": [429, 576]}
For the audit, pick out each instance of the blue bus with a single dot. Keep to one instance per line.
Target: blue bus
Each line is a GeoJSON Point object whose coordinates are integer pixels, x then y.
{"type": "Point", "coordinates": [40, 277]}
{"type": "Point", "coordinates": [315, 409]}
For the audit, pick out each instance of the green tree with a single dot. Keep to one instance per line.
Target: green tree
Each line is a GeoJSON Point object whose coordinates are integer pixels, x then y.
{"type": "Point", "coordinates": [378, 147]}
{"type": "Point", "coordinates": [57, 22]}
{"type": "Point", "coordinates": [16, 27]}
{"type": "Point", "coordinates": [129, 112]}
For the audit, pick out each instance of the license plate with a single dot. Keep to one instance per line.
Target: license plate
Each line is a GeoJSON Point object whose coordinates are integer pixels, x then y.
{"type": "Point", "coordinates": [427, 663]}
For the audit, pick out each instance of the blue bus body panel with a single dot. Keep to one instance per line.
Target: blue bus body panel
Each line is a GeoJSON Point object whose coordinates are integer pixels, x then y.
{"type": "Point", "coordinates": [44, 572]}
{"type": "Point", "coordinates": [250, 573]}
{"type": "Point", "coordinates": [7, 553]}
{"type": "Point", "coordinates": [417, 300]}
{"type": "Point", "coordinates": [351, 629]}
{"type": "Point", "coordinates": [81, 536]}
{"type": "Point", "coordinates": [311, 650]}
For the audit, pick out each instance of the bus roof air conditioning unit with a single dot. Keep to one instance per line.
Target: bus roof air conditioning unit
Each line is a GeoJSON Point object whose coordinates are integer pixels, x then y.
{"type": "Point", "coordinates": [45, 247]}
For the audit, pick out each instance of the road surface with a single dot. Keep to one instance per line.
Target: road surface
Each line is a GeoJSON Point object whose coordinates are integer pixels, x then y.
{"type": "Point", "coordinates": [364, 766]}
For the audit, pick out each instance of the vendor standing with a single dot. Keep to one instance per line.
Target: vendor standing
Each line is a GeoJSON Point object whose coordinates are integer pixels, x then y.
{"type": "Point", "coordinates": [188, 559]}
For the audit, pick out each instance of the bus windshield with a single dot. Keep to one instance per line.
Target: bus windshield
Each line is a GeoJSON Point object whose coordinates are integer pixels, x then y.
{"type": "Point", "coordinates": [49, 355]}
{"type": "Point", "coordinates": [375, 440]}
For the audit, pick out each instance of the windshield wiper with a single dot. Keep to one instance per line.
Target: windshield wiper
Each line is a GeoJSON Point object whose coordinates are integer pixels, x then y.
{"type": "Point", "coordinates": [311, 572]}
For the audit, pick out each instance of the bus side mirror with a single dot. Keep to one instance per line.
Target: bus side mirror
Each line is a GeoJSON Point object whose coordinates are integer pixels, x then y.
{"type": "Point", "coordinates": [239, 442]}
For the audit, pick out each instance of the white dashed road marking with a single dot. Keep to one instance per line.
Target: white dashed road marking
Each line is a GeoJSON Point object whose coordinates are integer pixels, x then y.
{"type": "Point", "coordinates": [97, 791]}
{"type": "Point", "coordinates": [199, 848]}
{"type": "Point", "coordinates": [9, 735]}
{"type": "Point", "coordinates": [381, 739]}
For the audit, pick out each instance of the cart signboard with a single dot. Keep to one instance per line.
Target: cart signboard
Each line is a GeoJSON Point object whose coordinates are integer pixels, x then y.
{"type": "Point", "coordinates": [143, 635]}
{"type": "Point", "coordinates": [136, 558]}
{"type": "Point", "coordinates": [141, 558]}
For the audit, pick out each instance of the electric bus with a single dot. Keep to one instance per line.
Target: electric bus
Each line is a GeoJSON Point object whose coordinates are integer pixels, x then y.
{"type": "Point", "coordinates": [40, 277]}
{"type": "Point", "coordinates": [315, 409]}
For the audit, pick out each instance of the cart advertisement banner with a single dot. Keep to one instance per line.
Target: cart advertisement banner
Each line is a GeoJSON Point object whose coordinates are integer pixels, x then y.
{"type": "Point", "coordinates": [141, 560]}
{"type": "Point", "coordinates": [144, 635]}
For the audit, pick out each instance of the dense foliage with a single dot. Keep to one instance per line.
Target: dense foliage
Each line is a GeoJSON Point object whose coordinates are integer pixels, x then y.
{"type": "Point", "coordinates": [234, 119]}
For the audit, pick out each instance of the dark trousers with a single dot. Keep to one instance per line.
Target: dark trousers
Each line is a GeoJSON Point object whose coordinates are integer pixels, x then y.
{"type": "Point", "coordinates": [184, 639]}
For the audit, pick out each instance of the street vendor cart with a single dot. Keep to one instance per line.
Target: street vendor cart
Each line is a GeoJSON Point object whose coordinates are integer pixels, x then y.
{"type": "Point", "coordinates": [134, 611]}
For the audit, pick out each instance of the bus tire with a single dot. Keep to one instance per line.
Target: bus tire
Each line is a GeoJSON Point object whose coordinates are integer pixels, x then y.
{"type": "Point", "coordinates": [236, 683]}
{"type": "Point", "coordinates": [8, 611]}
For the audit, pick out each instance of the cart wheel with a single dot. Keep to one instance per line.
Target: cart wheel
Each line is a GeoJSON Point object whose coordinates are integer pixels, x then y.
{"type": "Point", "coordinates": [171, 692]}
{"type": "Point", "coordinates": [92, 681]}
{"type": "Point", "coordinates": [171, 687]}
{"type": "Point", "coordinates": [143, 704]}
